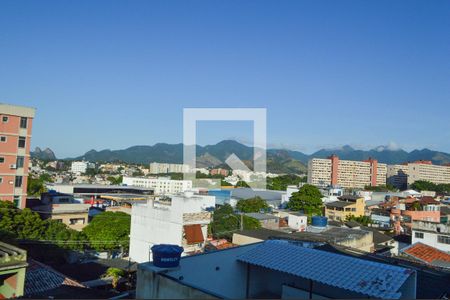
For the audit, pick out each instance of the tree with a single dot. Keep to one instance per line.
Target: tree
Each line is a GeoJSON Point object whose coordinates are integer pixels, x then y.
{"type": "Point", "coordinates": [255, 204]}
{"type": "Point", "coordinates": [109, 231]}
{"type": "Point", "coordinates": [241, 183]}
{"type": "Point", "coordinates": [115, 180]}
{"type": "Point", "coordinates": [225, 222]}
{"type": "Point", "coordinates": [35, 186]}
{"type": "Point", "coordinates": [63, 236]}
{"type": "Point", "coordinates": [28, 225]}
{"type": "Point", "coordinates": [116, 274]}
{"type": "Point", "coordinates": [308, 199]}
{"type": "Point", "coordinates": [423, 185]}
{"type": "Point", "coordinates": [281, 183]}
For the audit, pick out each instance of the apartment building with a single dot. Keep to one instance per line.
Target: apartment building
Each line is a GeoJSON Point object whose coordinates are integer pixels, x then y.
{"type": "Point", "coordinates": [161, 185]}
{"type": "Point", "coordinates": [80, 167]}
{"type": "Point", "coordinates": [163, 168]}
{"type": "Point", "coordinates": [346, 173]}
{"type": "Point", "coordinates": [180, 220]}
{"type": "Point", "coordinates": [404, 175]}
{"type": "Point", "coordinates": [15, 137]}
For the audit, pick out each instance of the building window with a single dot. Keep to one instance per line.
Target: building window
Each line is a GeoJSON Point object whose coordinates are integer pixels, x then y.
{"type": "Point", "coordinates": [2, 159]}
{"type": "Point", "coordinates": [3, 139]}
{"type": "Point", "coordinates": [5, 119]}
{"type": "Point", "coordinates": [21, 142]}
{"type": "Point", "coordinates": [23, 122]}
{"type": "Point", "coordinates": [20, 161]}
{"type": "Point", "coordinates": [443, 239]}
{"type": "Point", "coordinates": [16, 201]}
{"type": "Point", "coordinates": [18, 181]}
{"type": "Point", "coordinates": [418, 235]}
{"type": "Point", "coordinates": [1, 180]}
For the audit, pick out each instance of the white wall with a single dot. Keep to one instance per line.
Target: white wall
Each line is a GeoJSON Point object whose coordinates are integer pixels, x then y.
{"type": "Point", "coordinates": [160, 185]}
{"type": "Point", "coordinates": [297, 222]}
{"type": "Point", "coordinates": [160, 224]}
{"type": "Point", "coordinates": [430, 239]}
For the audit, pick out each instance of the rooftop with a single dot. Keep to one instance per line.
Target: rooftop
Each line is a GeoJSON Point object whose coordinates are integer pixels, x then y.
{"type": "Point", "coordinates": [41, 278]}
{"type": "Point", "coordinates": [357, 275]}
{"type": "Point", "coordinates": [428, 255]}
{"type": "Point", "coordinates": [12, 257]}
{"type": "Point", "coordinates": [338, 204]}
{"type": "Point", "coordinates": [349, 198]}
{"type": "Point", "coordinates": [261, 217]}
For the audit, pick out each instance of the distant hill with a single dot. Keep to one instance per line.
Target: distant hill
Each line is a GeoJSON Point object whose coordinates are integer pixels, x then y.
{"type": "Point", "coordinates": [207, 156]}
{"type": "Point", "coordinates": [278, 160]}
{"type": "Point", "coordinates": [46, 154]}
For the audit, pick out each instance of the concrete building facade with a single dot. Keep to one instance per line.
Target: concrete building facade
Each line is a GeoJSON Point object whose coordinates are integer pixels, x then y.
{"type": "Point", "coordinates": [163, 168]}
{"type": "Point", "coordinates": [161, 185]}
{"type": "Point", "coordinates": [404, 175]}
{"type": "Point", "coordinates": [179, 219]}
{"type": "Point", "coordinates": [432, 234]}
{"type": "Point", "coordinates": [80, 167]}
{"type": "Point", "coordinates": [15, 137]}
{"type": "Point", "coordinates": [346, 173]}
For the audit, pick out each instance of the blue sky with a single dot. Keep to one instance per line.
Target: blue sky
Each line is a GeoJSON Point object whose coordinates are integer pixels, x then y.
{"type": "Point", "coordinates": [111, 74]}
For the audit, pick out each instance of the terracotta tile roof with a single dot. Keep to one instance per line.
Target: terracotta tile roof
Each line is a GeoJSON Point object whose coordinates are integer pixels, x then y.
{"type": "Point", "coordinates": [425, 200]}
{"type": "Point", "coordinates": [193, 234]}
{"type": "Point", "coordinates": [428, 254]}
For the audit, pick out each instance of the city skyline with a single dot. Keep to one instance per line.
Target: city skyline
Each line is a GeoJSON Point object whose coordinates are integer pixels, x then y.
{"type": "Point", "coordinates": [329, 73]}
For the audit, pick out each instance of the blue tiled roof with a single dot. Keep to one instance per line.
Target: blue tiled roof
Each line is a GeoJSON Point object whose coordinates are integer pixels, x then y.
{"type": "Point", "coordinates": [353, 274]}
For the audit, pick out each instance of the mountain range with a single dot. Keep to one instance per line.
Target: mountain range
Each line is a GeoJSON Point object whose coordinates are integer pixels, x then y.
{"type": "Point", "coordinates": [46, 154]}
{"type": "Point", "coordinates": [278, 160]}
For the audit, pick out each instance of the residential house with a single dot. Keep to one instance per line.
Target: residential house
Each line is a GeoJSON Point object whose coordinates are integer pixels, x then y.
{"type": "Point", "coordinates": [433, 234]}
{"type": "Point", "coordinates": [346, 206]}
{"type": "Point", "coordinates": [63, 208]}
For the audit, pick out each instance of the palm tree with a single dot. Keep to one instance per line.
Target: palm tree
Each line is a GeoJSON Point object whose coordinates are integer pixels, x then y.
{"type": "Point", "coordinates": [116, 274]}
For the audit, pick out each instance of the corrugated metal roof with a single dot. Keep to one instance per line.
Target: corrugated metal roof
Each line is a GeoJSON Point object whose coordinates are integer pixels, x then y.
{"type": "Point", "coordinates": [353, 274]}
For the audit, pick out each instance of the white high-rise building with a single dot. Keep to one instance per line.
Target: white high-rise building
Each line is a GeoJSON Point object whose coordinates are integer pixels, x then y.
{"type": "Point", "coordinates": [163, 168]}
{"type": "Point", "coordinates": [180, 220]}
{"type": "Point", "coordinates": [80, 167]}
{"type": "Point", "coordinates": [161, 185]}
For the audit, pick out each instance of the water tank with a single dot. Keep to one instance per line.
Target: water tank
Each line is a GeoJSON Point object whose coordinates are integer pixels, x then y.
{"type": "Point", "coordinates": [166, 256]}
{"type": "Point", "coordinates": [318, 221]}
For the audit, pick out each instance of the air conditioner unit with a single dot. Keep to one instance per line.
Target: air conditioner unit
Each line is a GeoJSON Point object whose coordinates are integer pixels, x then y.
{"type": "Point", "coordinates": [13, 166]}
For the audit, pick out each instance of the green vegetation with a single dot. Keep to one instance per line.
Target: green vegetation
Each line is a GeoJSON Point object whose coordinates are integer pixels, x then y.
{"type": "Point", "coordinates": [115, 180]}
{"type": "Point", "coordinates": [36, 186]}
{"type": "Point", "coordinates": [308, 199]}
{"type": "Point", "coordinates": [255, 204]}
{"type": "Point", "coordinates": [363, 220]}
{"type": "Point", "coordinates": [225, 222]}
{"type": "Point", "coordinates": [280, 183]}
{"type": "Point", "coordinates": [116, 274]}
{"type": "Point", "coordinates": [422, 185]}
{"type": "Point", "coordinates": [28, 225]}
{"type": "Point", "coordinates": [108, 231]}
{"type": "Point", "coordinates": [241, 183]}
